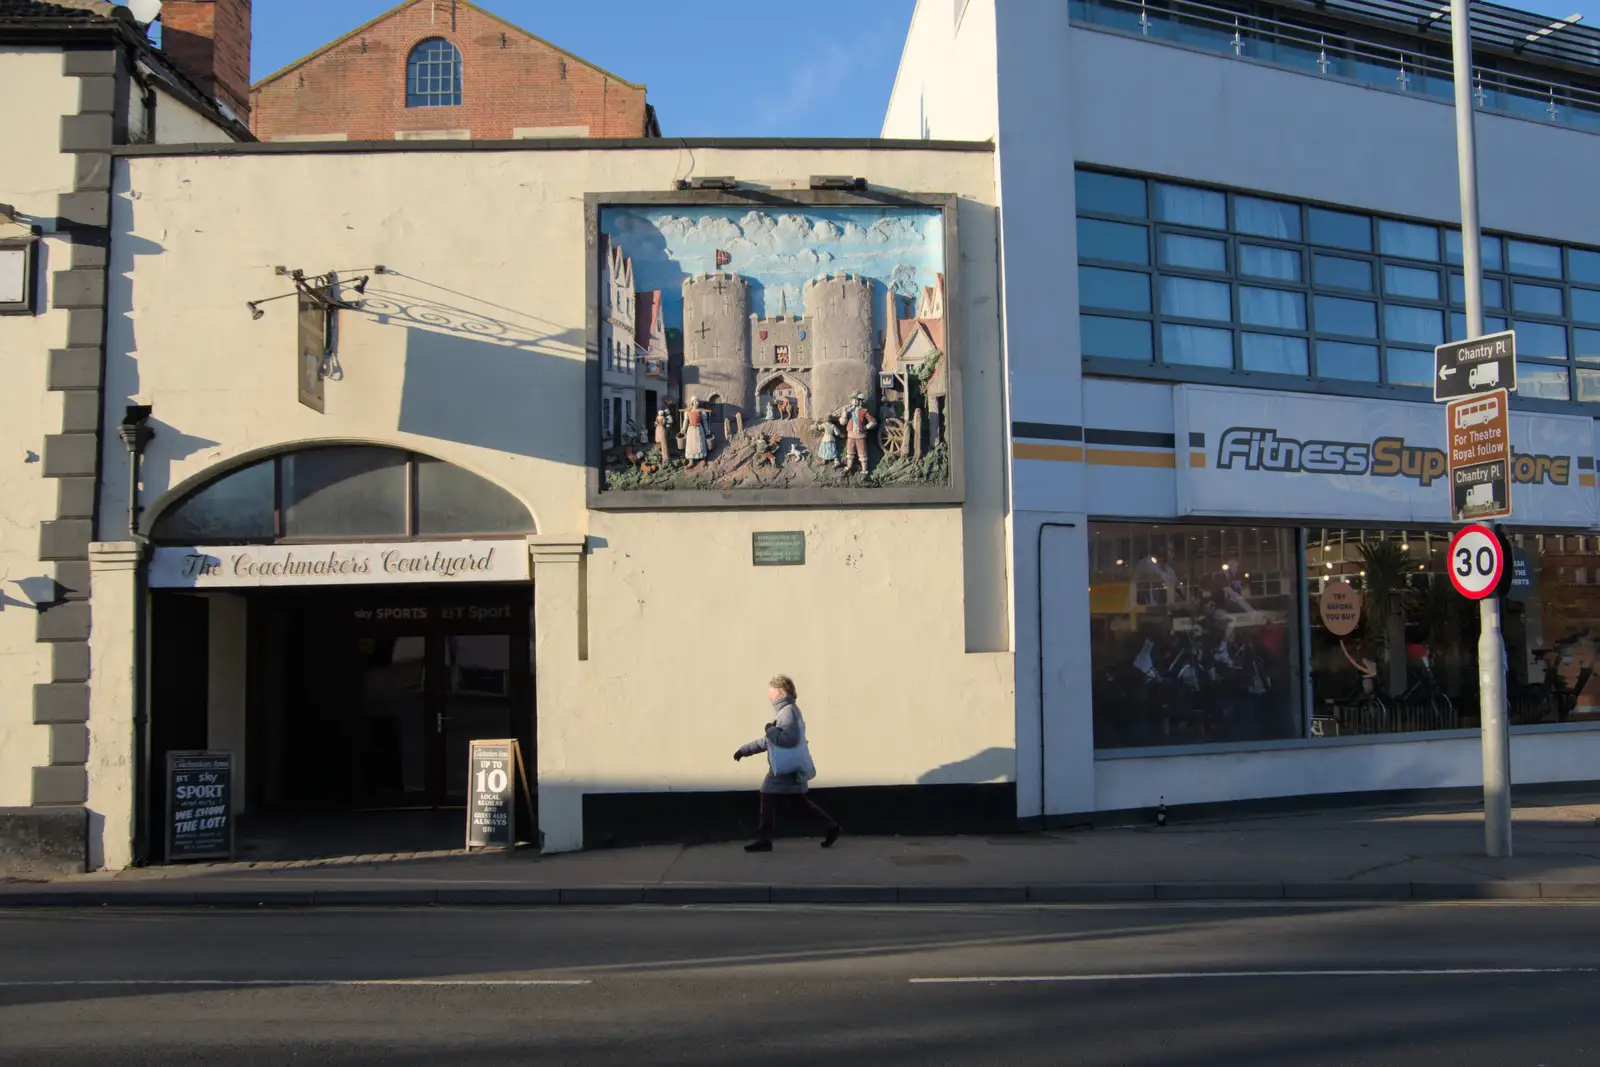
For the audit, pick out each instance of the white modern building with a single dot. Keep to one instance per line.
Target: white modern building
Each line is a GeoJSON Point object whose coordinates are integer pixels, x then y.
{"type": "Point", "coordinates": [1228, 248]}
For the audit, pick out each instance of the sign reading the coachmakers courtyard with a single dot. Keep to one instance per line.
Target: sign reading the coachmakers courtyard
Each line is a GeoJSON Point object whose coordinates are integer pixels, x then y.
{"type": "Point", "coordinates": [1286, 455]}
{"type": "Point", "coordinates": [223, 566]}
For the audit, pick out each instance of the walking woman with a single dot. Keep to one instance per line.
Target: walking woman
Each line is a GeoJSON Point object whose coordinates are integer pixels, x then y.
{"type": "Point", "coordinates": [789, 768]}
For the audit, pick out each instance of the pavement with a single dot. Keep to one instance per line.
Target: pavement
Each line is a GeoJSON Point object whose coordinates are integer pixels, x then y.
{"type": "Point", "coordinates": [1376, 854]}
{"type": "Point", "coordinates": [1174, 984]}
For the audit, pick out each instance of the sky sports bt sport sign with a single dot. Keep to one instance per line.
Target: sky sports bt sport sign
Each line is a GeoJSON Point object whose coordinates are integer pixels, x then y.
{"type": "Point", "coordinates": [232, 566]}
{"type": "Point", "coordinates": [1257, 453]}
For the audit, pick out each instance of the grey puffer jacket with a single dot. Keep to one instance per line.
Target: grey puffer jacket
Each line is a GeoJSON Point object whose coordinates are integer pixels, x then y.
{"type": "Point", "coordinates": [785, 732]}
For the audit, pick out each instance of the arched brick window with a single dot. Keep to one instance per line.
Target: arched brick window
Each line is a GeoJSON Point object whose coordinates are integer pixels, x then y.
{"type": "Point", "coordinates": [433, 74]}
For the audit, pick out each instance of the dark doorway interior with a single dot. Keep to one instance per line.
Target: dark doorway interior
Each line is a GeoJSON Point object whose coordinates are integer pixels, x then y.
{"type": "Point", "coordinates": [358, 701]}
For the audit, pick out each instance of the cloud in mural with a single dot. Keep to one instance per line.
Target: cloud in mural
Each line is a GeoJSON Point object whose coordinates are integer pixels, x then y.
{"type": "Point", "coordinates": [781, 251]}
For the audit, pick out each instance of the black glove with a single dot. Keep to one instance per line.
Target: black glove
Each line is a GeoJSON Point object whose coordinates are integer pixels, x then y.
{"type": "Point", "coordinates": [737, 756]}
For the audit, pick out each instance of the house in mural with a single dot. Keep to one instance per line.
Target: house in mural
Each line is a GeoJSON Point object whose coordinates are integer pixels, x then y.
{"type": "Point", "coordinates": [771, 353]}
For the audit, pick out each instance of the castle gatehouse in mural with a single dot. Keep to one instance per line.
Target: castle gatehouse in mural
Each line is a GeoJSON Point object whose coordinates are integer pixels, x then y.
{"type": "Point", "coordinates": [801, 348]}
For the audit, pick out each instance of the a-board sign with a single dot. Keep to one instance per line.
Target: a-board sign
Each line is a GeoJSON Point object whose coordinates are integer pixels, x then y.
{"type": "Point", "coordinates": [778, 548]}
{"type": "Point", "coordinates": [1477, 561]}
{"type": "Point", "coordinates": [199, 806]}
{"type": "Point", "coordinates": [1479, 465]}
{"type": "Point", "coordinates": [1475, 367]}
{"type": "Point", "coordinates": [497, 786]}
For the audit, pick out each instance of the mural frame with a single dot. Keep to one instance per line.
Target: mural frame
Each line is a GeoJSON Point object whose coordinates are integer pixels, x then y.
{"type": "Point", "coordinates": [600, 499]}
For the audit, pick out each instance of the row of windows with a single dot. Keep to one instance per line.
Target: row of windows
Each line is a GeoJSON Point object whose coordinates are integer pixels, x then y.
{"type": "Point", "coordinates": [1187, 276]}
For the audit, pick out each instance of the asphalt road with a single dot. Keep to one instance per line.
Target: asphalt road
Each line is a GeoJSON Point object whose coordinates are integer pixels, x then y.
{"type": "Point", "coordinates": [1280, 985]}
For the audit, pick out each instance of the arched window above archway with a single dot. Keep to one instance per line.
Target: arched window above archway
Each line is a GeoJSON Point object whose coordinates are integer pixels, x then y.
{"type": "Point", "coordinates": [342, 493]}
{"type": "Point", "coordinates": [433, 74]}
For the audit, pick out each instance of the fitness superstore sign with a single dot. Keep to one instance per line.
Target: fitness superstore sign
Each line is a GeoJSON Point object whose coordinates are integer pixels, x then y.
{"type": "Point", "coordinates": [1258, 448]}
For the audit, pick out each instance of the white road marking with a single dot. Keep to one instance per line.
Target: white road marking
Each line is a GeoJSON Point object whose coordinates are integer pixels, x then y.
{"type": "Point", "coordinates": [298, 982]}
{"type": "Point", "coordinates": [1169, 976]}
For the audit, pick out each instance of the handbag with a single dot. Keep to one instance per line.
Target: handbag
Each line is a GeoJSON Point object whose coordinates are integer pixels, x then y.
{"type": "Point", "coordinates": [796, 760]}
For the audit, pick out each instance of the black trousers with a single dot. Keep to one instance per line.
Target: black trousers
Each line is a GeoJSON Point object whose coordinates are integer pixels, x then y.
{"type": "Point", "coordinates": [769, 811]}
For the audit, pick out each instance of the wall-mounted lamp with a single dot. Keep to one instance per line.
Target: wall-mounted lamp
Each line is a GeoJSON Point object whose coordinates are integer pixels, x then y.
{"type": "Point", "coordinates": [842, 182]}
{"type": "Point", "coordinates": [724, 183]}
{"type": "Point", "coordinates": [136, 433]}
{"type": "Point", "coordinates": [255, 310]}
{"type": "Point", "coordinates": [8, 213]}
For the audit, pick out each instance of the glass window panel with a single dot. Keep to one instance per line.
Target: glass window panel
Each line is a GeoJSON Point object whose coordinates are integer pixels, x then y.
{"type": "Point", "coordinates": [1272, 307]}
{"type": "Point", "coordinates": [1544, 381]}
{"type": "Point", "coordinates": [1535, 260]}
{"type": "Point", "coordinates": [1354, 318]}
{"type": "Point", "coordinates": [1423, 679]}
{"type": "Point", "coordinates": [1110, 194]}
{"type": "Point", "coordinates": [1494, 293]}
{"type": "Point", "coordinates": [451, 500]}
{"type": "Point", "coordinates": [1119, 241]}
{"type": "Point", "coordinates": [1408, 367]}
{"type": "Point", "coordinates": [1191, 207]}
{"type": "Point", "coordinates": [1189, 298]}
{"type": "Point", "coordinates": [1458, 325]}
{"type": "Point", "coordinates": [1116, 338]}
{"type": "Point", "coordinates": [1347, 362]}
{"type": "Point", "coordinates": [1340, 229]}
{"type": "Point", "coordinates": [1407, 239]}
{"type": "Point", "coordinates": [1261, 262]}
{"type": "Point", "coordinates": [1274, 353]}
{"type": "Point", "coordinates": [1541, 339]}
{"type": "Point", "coordinates": [1490, 255]}
{"type": "Point", "coordinates": [1124, 290]}
{"type": "Point", "coordinates": [1194, 253]}
{"type": "Point", "coordinates": [235, 507]}
{"type": "Point", "coordinates": [1586, 345]}
{"type": "Point", "coordinates": [1343, 273]}
{"type": "Point", "coordinates": [1537, 299]}
{"type": "Point", "coordinates": [1418, 326]}
{"type": "Point", "coordinates": [1583, 265]}
{"type": "Point", "coordinates": [1198, 346]}
{"type": "Point", "coordinates": [1266, 218]}
{"type": "Point", "coordinates": [344, 492]}
{"type": "Point", "coordinates": [1166, 601]}
{"type": "Point", "coordinates": [1588, 384]}
{"type": "Point", "coordinates": [1412, 282]}
{"type": "Point", "coordinates": [1586, 305]}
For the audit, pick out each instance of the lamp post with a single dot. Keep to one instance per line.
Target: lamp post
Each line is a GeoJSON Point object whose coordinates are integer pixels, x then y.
{"type": "Point", "coordinates": [1492, 717]}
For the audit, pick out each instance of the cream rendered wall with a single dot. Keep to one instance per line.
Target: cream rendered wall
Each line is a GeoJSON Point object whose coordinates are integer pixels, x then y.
{"type": "Point", "coordinates": [33, 172]}
{"type": "Point", "coordinates": [178, 123]}
{"type": "Point", "coordinates": [946, 86]}
{"type": "Point", "coordinates": [681, 631]}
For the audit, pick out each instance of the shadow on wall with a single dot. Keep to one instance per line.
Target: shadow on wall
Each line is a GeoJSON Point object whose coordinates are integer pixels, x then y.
{"type": "Point", "coordinates": [475, 371]}
{"type": "Point", "coordinates": [168, 446]}
{"type": "Point", "coordinates": [990, 765]}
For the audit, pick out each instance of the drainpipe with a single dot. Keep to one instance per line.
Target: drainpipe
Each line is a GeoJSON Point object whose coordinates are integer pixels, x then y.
{"type": "Point", "coordinates": [136, 433]}
{"type": "Point", "coordinates": [1038, 578]}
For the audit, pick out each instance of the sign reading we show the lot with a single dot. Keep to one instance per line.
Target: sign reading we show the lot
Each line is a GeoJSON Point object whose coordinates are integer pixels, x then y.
{"type": "Point", "coordinates": [1476, 367]}
{"type": "Point", "coordinates": [1480, 456]}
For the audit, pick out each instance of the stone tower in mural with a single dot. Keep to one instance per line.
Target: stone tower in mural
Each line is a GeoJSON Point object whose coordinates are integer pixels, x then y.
{"type": "Point", "coordinates": [839, 310]}
{"type": "Point", "coordinates": [716, 339]}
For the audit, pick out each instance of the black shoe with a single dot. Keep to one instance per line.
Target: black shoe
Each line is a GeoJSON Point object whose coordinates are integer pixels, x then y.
{"type": "Point", "coordinates": [759, 846]}
{"type": "Point", "coordinates": [833, 835]}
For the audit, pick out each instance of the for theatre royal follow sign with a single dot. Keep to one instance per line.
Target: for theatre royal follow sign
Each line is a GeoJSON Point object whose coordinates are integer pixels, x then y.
{"type": "Point", "coordinates": [223, 566]}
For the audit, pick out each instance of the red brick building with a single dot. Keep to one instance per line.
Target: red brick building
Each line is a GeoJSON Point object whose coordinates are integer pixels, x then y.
{"type": "Point", "coordinates": [444, 69]}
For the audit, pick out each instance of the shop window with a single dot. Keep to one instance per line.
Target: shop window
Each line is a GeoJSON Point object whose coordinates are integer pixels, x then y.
{"type": "Point", "coordinates": [1192, 635]}
{"type": "Point", "coordinates": [341, 493]}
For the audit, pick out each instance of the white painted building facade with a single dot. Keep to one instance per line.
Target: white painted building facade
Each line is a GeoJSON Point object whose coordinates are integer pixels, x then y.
{"type": "Point", "coordinates": [1226, 246]}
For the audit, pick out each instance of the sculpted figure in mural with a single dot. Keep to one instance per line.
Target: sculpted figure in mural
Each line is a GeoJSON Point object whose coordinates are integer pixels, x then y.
{"type": "Point", "coordinates": [663, 435]}
{"type": "Point", "coordinates": [858, 423]}
{"type": "Point", "coordinates": [694, 433]}
{"type": "Point", "coordinates": [828, 447]}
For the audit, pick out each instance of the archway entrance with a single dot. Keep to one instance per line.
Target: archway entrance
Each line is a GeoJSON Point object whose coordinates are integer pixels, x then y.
{"type": "Point", "coordinates": [787, 397]}
{"type": "Point", "coordinates": [346, 677]}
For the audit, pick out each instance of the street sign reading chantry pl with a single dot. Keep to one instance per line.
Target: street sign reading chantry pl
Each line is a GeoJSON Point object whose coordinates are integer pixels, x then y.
{"type": "Point", "coordinates": [1481, 365]}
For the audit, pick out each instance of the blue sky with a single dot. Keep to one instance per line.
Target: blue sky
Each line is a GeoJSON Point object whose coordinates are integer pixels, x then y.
{"type": "Point", "coordinates": [819, 69]}
{"type": "Point", "coordinates": [903, 247]}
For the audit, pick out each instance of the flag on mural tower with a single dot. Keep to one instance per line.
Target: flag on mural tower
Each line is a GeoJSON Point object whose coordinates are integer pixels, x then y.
{"type": "Point", "coordinates": [723, 258]}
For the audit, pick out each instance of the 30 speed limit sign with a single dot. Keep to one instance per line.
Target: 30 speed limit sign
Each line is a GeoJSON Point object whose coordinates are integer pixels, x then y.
{"type": "Point", "coordinates": [1477, 562]}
